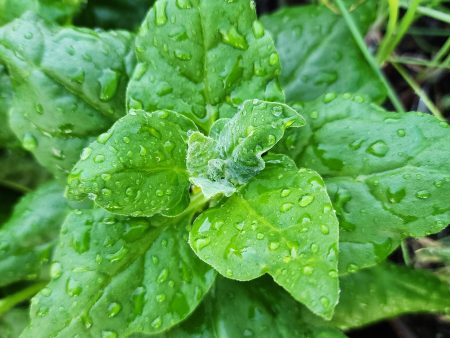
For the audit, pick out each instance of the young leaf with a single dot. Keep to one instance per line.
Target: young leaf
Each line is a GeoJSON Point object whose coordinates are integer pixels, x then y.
{"type": "Point", "coordinates": [53, 10]}
{"type": "Point", "coordinates": [318, 52]}
{"type": "Point", "coordinates": [138, 167]}
{"type": "Point", "coordinates": [388, 174]}
{"type": "Point", "coordinates": [256, 309]}
{"type": "Point", "coordinates": [203, 59]}
{"type": "Point", "coordinates": [232, 156]}
{"type": "Point", "coordinates": [388, 291]}
{"type": "Point", "coordinates": [116, 276]}
{"type": "Point", "coordinates": [282, 223]}
{"type": "Point", "coordinates": [28, 237]}
{"type": "Point", "coordinates": [69, 86]}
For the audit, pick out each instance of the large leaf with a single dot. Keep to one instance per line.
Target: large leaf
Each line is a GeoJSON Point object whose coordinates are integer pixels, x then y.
{"type": "Point", "coordinates": [27, 239]}
{"type": "Point", "coordinates": [55, 10]}
{"type": "Point", "coordinates": [388, 174]}
{"type": "Point", "coordinates": [138, 167]}
{"type": "Point", "coordinates": [318, 52]}
{"type": "Point", "coordinates": [388, 291]}
{"type": "Point", "coordinates": [232, 155]}
{"type": "Point", "coordinates": [257, 309]}
{"type": "Point", "coordinates": [116, 276]}
{"type": "Point", "coordinates": [69, 85]}
{"type": "Point", "coordinates": [282, 223]}
{"type": "Point", "coordinates": [202, 59]}
{"type": "Point", "coordinates": [113, 14]}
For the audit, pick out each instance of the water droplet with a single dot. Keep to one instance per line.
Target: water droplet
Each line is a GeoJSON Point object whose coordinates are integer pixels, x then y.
{"type": "Point", "coordinates": [169, 146]}
{"type": "Point", "coordinates": [29, 142]}
{"type": "Point", "coordinates": [105, 177]}
{"type": "Point", "coordinates": [324, 229]}
{"type": "Point", "coordinates": [248, 333]}
{"type": "Point", "coordinates": [352, 268]}
{"type": "Point", "coordinates": [126, 139]}
{"type": "Point", "coordinates": [201, 243]}
{"type": "Point", "coordinates": [378, 148]}
{"type": "Point", "coordinates": [118, 255]}
{"type": "Point", "coordinates": [274, 59]}
{"type": "Point", "coordinates": [306, 200]}
{"type": "Point", "coordinates": [258, 29]}
{"type": "Point", "coordinates": [99, 158]}
{"type": "Point", "coordinates": [86, 153]}
{"type": "Point", "coordinates": [109, 334]}
{"type": "Point", "coordinates": [156, 323]}
{"type": "Point", "coordinates": [307, 270]}
{"type": "Point", "coordinates": [184, 4]}
{"type": "Point", "coordinates": [39, 109]}
{"type": "Point", "coordinates": [314, 248]}
{"type": "Point", "coordinates": [114, 309]}
{"type": "Point", "coordinates": [103, 138]}
{"type": "Point", "coordinates": [259, 236]}
{"type": "Point", "coordinates": [181, 55]}
{"type": "Point", "coordinates": [154, 132]}
{"type": "Point", "coordinates": [138, 300]}
{"type": "Point", "coordinates": [43, 311]}
{"type": "Point", "coordinates": [286, 207]}
{"type": "Point", "coordinates": [423, 194]}
{"type": "Point", "coordinates": [28, 35]}
{"type": "Point", "coordinates": [56, 270]}
{"type": "Point", "coordinates": [160, 12]}
{"type": "Point", "coordinates": [329, 97]}
{"type": "Point", "coordinates": [285, 192]}
{"type": "Point", "coordinates": [78, 76]}
{"type": "Point", "coordinates": [163, 276]}
{"type": "Point", "coordinates": [160, 298]}
{"type": "Point", "coordinates": [325, 302]}
{"type": "Point", "coordinates": [73, 288]}
{"type": "Point", "coordinates": [109, 83]}
{"type": "Point", "coordinates": [395, 195]}
{"type": "Point", "coordinates": [401, 132]}
{"type": "Point", "coordinates": [274, 245]}
{"type": "Point", "coordinates": [233, 38]}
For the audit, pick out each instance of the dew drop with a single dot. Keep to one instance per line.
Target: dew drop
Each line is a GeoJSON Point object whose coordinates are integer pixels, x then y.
{"type": "Point", "coordinates": [401, 132]}
{"type": "Point", "coordinates": [274, 245]}
{"type": "Point", "coordinates": [29, 142]}
{"type": "Point", "coordinates": [109, 334]}
{"type": "Point", "coordinates": [163, 276]}
{"type": "Point", "coordinates": [109, 83]}
{"type": "Point", "coordinates": [156, 323]}
{"type": "Point", "coordinates": [306, 200]}
{"type": "Point", "coordinates": [286, 207]}
{"type": "Point", "coordinates": [56, 270]}
{"type": "Point", "coordinates": [99, 158]}
{"type": "Point", "coordinates": [258, 29]}
{"type": "Point", "coordinates": [324, 229]}
{"type": "Point", "coordinates": [329, 97]}
{"type": "Point", "coordinates": [378, 148]}
{"type": "Point", "coordinates": [307, 270]}
{"type": "Point", "coordinates": [160, 12]}
{"type": "Point", "coordinates": [423, 194]}
{"type": "Point", "coordinates": [114, 309]}
{"type": "Point", "coordinates": [233, 38]}
{"type": "Point", "coordinates": [103, 138]}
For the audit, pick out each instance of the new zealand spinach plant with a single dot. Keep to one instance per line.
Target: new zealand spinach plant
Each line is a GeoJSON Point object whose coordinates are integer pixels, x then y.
{"type": "Point", "coordinates": [215, 174]}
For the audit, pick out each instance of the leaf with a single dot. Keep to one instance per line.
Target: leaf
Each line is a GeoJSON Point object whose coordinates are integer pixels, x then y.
{"type": "Point", "coordinates": [388, 174]}
{"type": "Point", "coordinates": [113, 14]}
{"type": "Point", "coordinates": [318, 52]}
{"type": "Point", "coordinates": [54, 10]}
{"type": "Point", "coordinates": [203, 59]}
{"type": "Point", "coordinates": [256, 309]}
{"type": "Point", "coordinates": [233, 156]}
{"type": "Point", "coordinates": [281, 223]}
{"type": "Point", "coordinates": [69, 86]}
{"type": "Point", "coordinates": [13, 322]}
{"type": "Point", "coordinates": [138, 167]}
{"type": "Point", "coordinates": [388, 291]}
{"type": "Point", "coordinates": [7, 138]}
{"type": "Point", "coordinates": [116, 276]}
{"type": "Point", "coordinates": [27, 239]}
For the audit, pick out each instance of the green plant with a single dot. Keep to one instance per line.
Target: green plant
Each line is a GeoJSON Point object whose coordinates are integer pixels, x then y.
{"type": "Point", "coordinates": [189, 176]}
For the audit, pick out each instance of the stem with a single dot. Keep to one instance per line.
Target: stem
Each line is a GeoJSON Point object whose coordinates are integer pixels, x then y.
{"type": "Point", "coordinates": [392, 25]}
{"type": "Point", "coordinates": [11, 301]}
{"type": "Point", "coordinates": [15, 186]}
{"type": "Point", "coordinates": [405, 253]}
{"type": "Point", "coordinates": [198, 201]}
{"type": "Point", "coordinates": [432, 13]}
{"type": "Point", "coordinates": [369, 57]}
{"type": "Point", "coordinates": [391, 43]}
{"type": "Point", "coordinates": [419, 92]}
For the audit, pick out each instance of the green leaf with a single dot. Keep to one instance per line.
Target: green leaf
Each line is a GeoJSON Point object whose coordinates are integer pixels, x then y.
{"type": "Point", "coordinates": [53, 10]}
{"type": "Point", "coordinates": [388, 174]}
{"type": "Point", "coordinates": [13, 323]}
{"type": "Point", "coordinates": [388, 291]}
{"type": "Point", "coordinates": [282, 223]}
{"type": "Point", "coordinates": [256, 309]}
{"type": "Point", "coordinates": [69, 85]}
{"type": "Point", "coordinates": [116, 276]}
{"type": "Point", "coordinates": [138, 167]}
{"type": "Point", "coordinates": [27, 239]}
{"type": "Point", "coordinates": [7, 138]}
{"type": "Point", "coordinates": [113, 14]}
{"type": "Point", "coordinates": [232, 156]}
{"type": "Point", "coordinates": [318, 52]}
{"type": "Point", "coordinates": [203, 59]}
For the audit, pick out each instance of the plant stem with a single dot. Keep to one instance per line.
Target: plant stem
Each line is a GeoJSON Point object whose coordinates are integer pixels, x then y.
{"type": "Point", "coordinates": [390, 42]}
{"type": "Point", "coordinates": [198, 201]}
{"type": "Point", "coordinates": [405, 253]}
{"type": "Point", "coordinates": [432, 13]}
{"type": "Point", "coordinates": [15, 186]}
{"type": "Point", "coordinates": [419, 92]}
{"type": "Point", "coordinates": [369, 57]}
{"type": "Point", "coordinates": [11, 301]}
